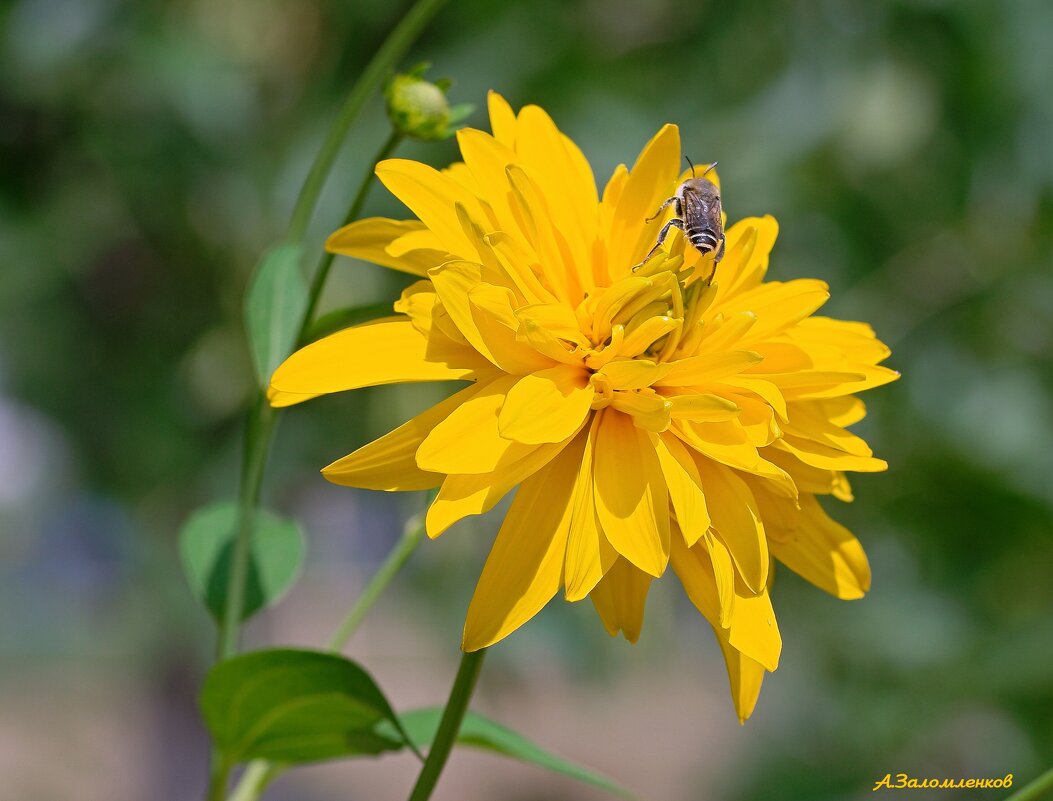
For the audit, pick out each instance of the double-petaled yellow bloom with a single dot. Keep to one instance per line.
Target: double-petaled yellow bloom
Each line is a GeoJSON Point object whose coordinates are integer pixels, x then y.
{"type": "Point", "coordinates": [652, 418]}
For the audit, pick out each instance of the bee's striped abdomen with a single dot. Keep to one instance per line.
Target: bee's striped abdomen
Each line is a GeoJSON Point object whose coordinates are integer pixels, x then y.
{"type": "Point", "coordinates": [703, 238]}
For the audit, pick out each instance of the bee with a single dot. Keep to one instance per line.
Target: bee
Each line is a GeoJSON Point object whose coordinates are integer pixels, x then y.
{"type": "Point", "coordinates": [697, 207]}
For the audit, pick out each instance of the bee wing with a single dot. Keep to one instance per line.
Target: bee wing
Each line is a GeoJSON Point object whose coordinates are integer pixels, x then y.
{"type": "Point", "coordinates": [707, 213]}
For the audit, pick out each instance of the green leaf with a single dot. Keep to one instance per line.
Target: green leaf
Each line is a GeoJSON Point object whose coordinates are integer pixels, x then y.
{"type": "Point", "coordinates": [206, 544]}
{"type": "Point", "coordinates": [342, 318]}
{"type": "Point", "coordinates": [291, 706]}
{"type": "Point", "coordinates": [479, 732]}
{"type": "Point", "coordinates": [274, 307]}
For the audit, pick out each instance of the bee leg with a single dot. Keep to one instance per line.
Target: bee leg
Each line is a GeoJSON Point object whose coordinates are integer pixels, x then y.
{"type": "Point", "coordinates": [663, 207]}
{"type": "Point", "coordinates": [718, 254]}
{"type": "Point", "coordinates": [673, 223]}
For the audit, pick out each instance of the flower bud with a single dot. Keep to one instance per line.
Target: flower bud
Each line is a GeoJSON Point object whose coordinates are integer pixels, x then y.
{"type": "Point", "coordinates": [419, 109]}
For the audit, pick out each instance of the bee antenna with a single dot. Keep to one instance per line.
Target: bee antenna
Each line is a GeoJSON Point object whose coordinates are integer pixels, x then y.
{"type": "Point", "coordinates": [692, 165]}
{"type": "Point", "coordinates": [710, 167]}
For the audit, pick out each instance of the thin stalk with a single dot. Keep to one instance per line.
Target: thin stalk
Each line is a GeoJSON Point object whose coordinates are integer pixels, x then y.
{"type": "Point", "coordinates": [1042, 787]}
{"type": "Point", "coordinates": [389, 54]}
{"type": "Point", "coordinates": [259, 432]}
{"type": "Point", "coordinates": [450, 725]}
{"type": "Point", "coordinates": [321, 273]}
{"type": "Point", "coordinates": [404, 548]}
{"type": "Point", "coordinates": [254, 781]}
{"type": "Point", "coordinates": [219, 775]}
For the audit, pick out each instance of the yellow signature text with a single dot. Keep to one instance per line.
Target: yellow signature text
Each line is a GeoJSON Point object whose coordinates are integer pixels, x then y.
{"type": "Point", "coordinates": [901, 781]}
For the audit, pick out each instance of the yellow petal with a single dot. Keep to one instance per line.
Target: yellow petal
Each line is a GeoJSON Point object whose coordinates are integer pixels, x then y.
{"type": "Point", "coordinates": [702, 407]}
{"type": "Point", "coordinates": [525, 566]}
{"type": "Point", "coordinates": [745, 676]}
{"type": "Point", "coordinates": [824, 552]}
{"type": "Point", "coordinates": [648, 409]}
{"type": "Point", "coordinates": [749, 244]}
{"type": "Point", "coordinates": [831, 384]}
{"type": "Point", "coordinates": [453, 282]}
{"type": "Point", "coordinates": [611, 301]}
{"type": "Point", "coordinates": [371, 240]}
{"type": "Point", "coordinates": [461, 496]}
{"type": "Point", "coordinates": [634, 373]}
{"type": "Point", "coordinates": [778, 305]}
{"type": "Point", "coordinates": [822, 456]}
{"type": "Point", "coordinates": [521, 266]}
{"type": "Point", "coordinates": [754, 631]}
{"type": "Point", "coordinates": [723, 575]}
{"type": "Point", "coordinates": [843, 411]}
{"type": "Point", "coordinates": [808, 479]}
{"type": "Point", "coordinates": [589, 555]}
{"type": "Point", "coordinates": [737, 522]}
{"type": "Point", "coordinates": [546, 406]}
{"type": "Point", "coordinates": [707, 368]}
{"type": "Point", "coordinates": [632, 502]}
{"type": "Point", "coordinates": [468, 441]}
{"type": "Point", "coordinates": [765, 390]}
{"type": "Point", "coordinates": [685, 486]}
{"type": "Point", "coordinates": [487, 158]}
{"type": "Point", "coordinates": [855, 342]}
{"type": "Point", "coordinates": [708, 576]}
{"type": "Point", "coordinates": [563, 271]}
{"type": "Point", "coordinates": [385, 351]}
{"type": "Point", "coordinates": [651, 180]}
{"type": "Point", "coordinates": [620, 598]}
{"type": "Point", "coordinates": [751, 627]}
{"type": "Point", "coordinates": [502, 119]}
{"type": "Point", "coordinates": [492, 312]}
{"type": "Point", "coordinates": [432, 196]}
{"type": "Point", "coordinates": [552, 329]}
{"type": "Point", "coordinates": [389, 463]}
{"type": "Point", "coordinates": [565, 180]}
{"type": "Point", "coordinates": [809, 420]}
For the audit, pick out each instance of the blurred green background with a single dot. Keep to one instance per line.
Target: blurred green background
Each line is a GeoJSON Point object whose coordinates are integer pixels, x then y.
{"type": "Point", "coordinates": [150, 150]}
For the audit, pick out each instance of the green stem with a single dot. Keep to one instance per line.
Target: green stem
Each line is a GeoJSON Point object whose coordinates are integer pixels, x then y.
{"type": "Point", "coordinates": [390, 53]}
{"type": "Point", "coordinates": [321, 274]}
{"type": "Point", "coordinates": [1041, 787]}
{"type": "Point", "coordinates": [259, 432]}
{"type": "Point", "coordinates": [404, 548]}
{"type": "Point", "coordinates": [450, 725]}
{"type": "Point", "coordinates": [219, 775]}
{"type": "Point", "coordinates": [254, 781]}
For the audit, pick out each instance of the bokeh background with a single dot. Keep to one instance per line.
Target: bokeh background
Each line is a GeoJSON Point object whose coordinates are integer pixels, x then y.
{"type": "Point", "coordinates": [150, 150]}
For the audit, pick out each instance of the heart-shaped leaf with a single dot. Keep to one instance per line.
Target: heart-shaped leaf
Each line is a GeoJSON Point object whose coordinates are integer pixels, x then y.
{"type": "Point", "coordinates": [274, 307]}
{"type": "Point", "coordinates": [480, 732]}
{"type": "Point", "coordinates": [291, 706]}
{"type": "Point", "coordinates": [206, 544]}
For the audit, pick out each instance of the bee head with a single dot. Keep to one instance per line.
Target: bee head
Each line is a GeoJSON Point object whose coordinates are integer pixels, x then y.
{"type": "Point", "coordinates": [702, 187]}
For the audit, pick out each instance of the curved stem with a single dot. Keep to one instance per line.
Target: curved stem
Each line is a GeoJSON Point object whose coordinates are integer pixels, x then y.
{"type": "Point", "coordinates": [1042, 787]}
{"type": "Point", "coordinates": [321, 273]}
{"type": "Point", "coordinates": [393, 49]}
{"type": "Point", "coordinates": [450, 725]}
{"type": "Point", "coordinates": [398, 557]}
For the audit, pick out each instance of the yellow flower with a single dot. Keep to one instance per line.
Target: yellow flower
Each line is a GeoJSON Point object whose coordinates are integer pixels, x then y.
{"type": "Point", "coordinates": [652, 418]}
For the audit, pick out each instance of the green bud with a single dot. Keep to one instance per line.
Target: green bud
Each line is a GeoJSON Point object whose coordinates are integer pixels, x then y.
{"type": "Point", "coordinates": [419, 109]}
